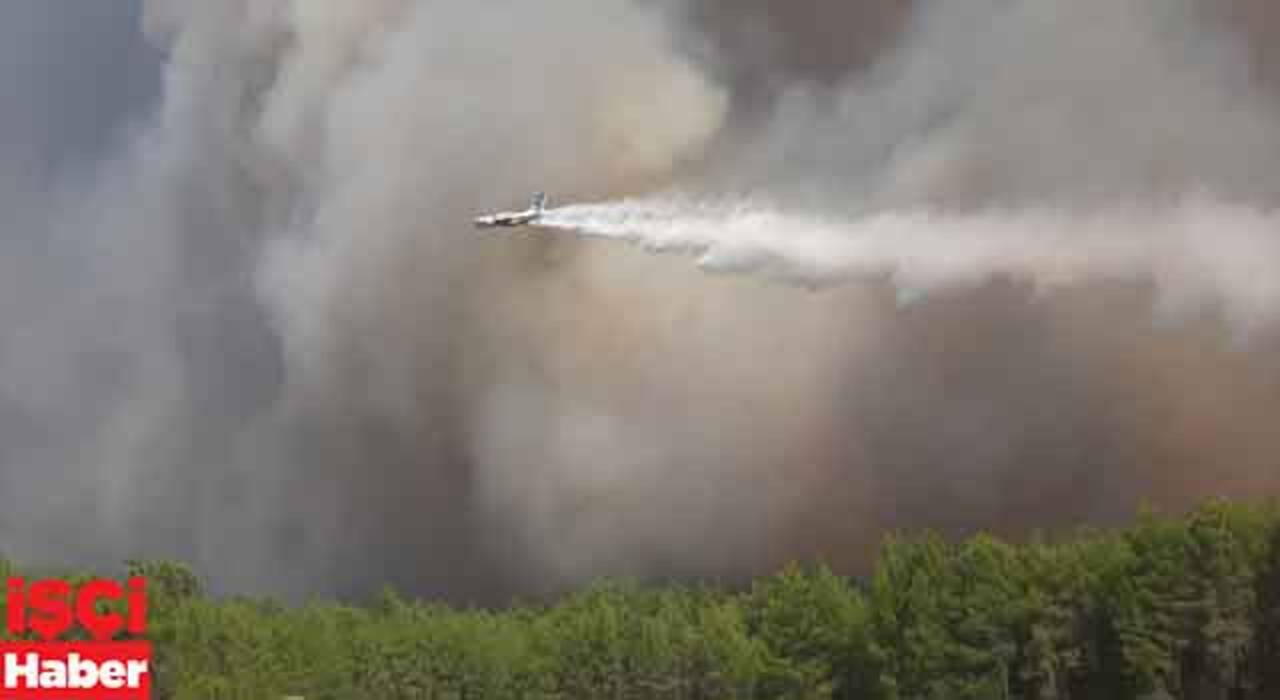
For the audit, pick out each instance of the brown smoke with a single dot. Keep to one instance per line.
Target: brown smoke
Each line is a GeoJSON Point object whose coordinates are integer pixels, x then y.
{"type": "Point", "coordinates": [762, 45]}
{"type": "Point", "coordinates": [269, 342]}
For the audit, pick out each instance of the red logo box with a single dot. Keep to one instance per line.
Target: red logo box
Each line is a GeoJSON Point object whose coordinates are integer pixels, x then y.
{"type": "Point", "coordinates": [75, 670]}
{"type": "Point", "coordinates": [57, 669]}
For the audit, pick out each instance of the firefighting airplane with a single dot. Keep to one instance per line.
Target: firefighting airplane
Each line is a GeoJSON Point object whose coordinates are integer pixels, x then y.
{"type": "Point", "coordinates": [516, 218]}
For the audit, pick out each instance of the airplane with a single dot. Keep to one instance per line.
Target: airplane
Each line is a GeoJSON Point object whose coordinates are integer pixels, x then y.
{"type": "Point", "coordinates": [516, 218]}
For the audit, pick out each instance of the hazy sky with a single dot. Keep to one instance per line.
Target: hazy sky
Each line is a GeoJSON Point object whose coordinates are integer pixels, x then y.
{"type": "Point", "coordinates": [71, 72]}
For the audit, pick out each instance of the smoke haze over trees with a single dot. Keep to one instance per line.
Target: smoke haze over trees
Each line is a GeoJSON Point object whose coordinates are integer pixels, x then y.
{"type": "Point", "coordinates": [1178, 608]}
{"type": "Point", "coordinates": [246, 323]}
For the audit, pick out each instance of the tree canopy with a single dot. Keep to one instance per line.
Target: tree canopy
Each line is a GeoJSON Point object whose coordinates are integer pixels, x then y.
{"type": "Point", "coordinates": [1184, 608]}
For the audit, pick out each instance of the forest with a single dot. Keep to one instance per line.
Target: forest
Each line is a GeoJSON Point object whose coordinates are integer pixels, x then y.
{"type": "Point", "coordinates": [1173, 607]}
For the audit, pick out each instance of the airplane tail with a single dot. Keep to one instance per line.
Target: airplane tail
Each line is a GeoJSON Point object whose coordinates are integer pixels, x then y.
{"type": "Point", "coordinates": [540, 202]}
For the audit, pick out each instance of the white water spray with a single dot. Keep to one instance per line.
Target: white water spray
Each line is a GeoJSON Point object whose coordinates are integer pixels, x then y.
{"type": "Point", "coordinates": [1199, 254]}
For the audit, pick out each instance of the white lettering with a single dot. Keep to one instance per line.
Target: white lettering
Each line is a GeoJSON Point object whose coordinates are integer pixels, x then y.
{"type": "Point", "coordinates": [137, 669]}
{"type": "Point", "coordinates": [82, 675]}
{"type": "Point", "coordinates": [111, 675]}
{"type": "Point", "coordinates": [21, 674]}
{"type": "Point", "coordinates": [29, 671]}
{"type": "Point", "coordinates": [53, 674]}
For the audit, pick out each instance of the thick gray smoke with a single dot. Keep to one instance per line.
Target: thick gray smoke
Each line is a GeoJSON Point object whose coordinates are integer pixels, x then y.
{"type": "Point", "coordinates": [261, 337]}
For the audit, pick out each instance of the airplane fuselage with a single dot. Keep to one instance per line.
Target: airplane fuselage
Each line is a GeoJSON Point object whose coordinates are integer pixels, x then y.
{"type": "Point", "coordinates": [522, 218]}
{"type": "Point", "coordinates": [515, 218]}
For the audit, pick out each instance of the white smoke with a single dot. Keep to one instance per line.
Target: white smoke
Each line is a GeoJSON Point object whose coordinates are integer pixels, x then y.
{"type": "Point", "coordinates": [268, 342]}
{"type": "Point", "coordinates": [1201, 255]}
{"type": "Point", "coordinates": [1029, 103]}
{"type": "Point", "coordinates": [255, 344]}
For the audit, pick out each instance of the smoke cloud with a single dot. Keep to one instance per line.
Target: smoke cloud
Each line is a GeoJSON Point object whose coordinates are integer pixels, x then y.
{"type": "Point", "coordinates": [259, 334]}
{"type": "Point", "coordinates": [1198, 255]}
